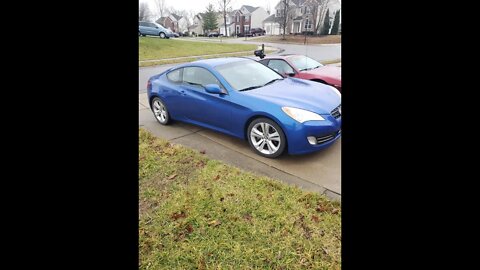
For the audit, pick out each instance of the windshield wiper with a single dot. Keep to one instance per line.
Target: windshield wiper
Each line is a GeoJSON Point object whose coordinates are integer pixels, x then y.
{"type": "Point", "coordinates": [250, 88]}
{"type": "Point", "coordinates": [303, 69]}
{"type": "Point", "coordinates": [274, 80]}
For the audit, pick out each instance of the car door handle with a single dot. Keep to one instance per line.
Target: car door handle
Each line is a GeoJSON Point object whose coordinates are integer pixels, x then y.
{"type": "Point", "coordinates": [182, 92]}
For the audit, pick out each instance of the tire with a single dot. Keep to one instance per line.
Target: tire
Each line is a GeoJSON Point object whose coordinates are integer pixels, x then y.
{"type": "Point", "coordinates": [144, 35]}
{"type": "Point", "coordinates": [270, 143]}
{"type": "Point", "coordinates": [162, 35]}
{"type": "Point", "coordinates": [160, 111]}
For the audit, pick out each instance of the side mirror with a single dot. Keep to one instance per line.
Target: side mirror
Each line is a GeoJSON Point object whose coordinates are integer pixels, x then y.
{"type": "Point", "coordinates": [214, 89]}
{"type": "Point", "coordinates": [156, 27]}
{"type": "Point", "coordinates": [291, 74]}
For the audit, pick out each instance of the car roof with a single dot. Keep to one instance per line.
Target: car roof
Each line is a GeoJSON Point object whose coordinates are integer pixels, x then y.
{"type": "Point", "coordinates": [218, 61]}
{"type": "Point", "coordinates": [281, 56]}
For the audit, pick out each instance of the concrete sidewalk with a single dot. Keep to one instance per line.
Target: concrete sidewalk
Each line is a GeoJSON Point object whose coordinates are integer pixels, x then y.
{"type": "Point", "coordinates": [318, 172]}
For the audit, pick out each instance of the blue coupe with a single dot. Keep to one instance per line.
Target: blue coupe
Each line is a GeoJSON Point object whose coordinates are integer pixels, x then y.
{"type": "Point", "coordinates": [245, 99]}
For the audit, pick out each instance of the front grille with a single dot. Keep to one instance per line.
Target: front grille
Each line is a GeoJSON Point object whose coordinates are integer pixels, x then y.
{"type": "Point", "coordinates": [337, 112]}
{"type": "Point", "coordinates": [327, 138]}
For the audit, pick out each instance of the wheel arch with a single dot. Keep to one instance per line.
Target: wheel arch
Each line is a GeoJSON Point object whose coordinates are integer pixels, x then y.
{"type": "Point", "coordinates": [268, 116]}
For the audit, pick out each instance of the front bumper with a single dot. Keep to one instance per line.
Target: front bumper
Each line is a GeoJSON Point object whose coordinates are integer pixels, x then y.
{"type": "Point", "coordinates": [327, 132]}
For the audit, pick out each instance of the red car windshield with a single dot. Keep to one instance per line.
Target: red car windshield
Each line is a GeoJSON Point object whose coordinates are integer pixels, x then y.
{"type": "Point", "coordinates": [302, 63]}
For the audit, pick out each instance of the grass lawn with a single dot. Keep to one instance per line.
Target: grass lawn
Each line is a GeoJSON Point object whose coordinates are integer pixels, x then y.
{"type": "Point", "coordinates": [197, 213]}
{"type": "Point", "coordinates": [182, 60]}
{"type": "Point", "coordinates": [156, 48]}
{"type": "Point", "coordinates": [298, 39]}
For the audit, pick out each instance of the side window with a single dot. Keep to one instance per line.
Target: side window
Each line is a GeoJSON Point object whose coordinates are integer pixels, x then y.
{"type": "Point", "coordinates": [280, 66]}
{"type": "Point", "coordinates": [175, 76]}
{"type": "Point", "coordinates": [200, 76]}
{"type": "Point", "coordinates": [151, 25]}
{"type": "Point", "coordinates": [142, 24]}
{"type": "Point", "coordinates": [264, 62]}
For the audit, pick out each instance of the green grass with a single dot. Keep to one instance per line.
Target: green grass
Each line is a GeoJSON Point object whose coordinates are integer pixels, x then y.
{"type": "Point", "coordinates": [151, 48]}
{"type": "Point", "coordinates": [197, 213]}
{"type": "Point", "coordinates": [182, 60]}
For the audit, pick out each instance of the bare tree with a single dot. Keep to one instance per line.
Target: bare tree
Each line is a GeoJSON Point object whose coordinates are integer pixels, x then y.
{"type": "Point", "coordinates": [184, 14]}
{"type": "Point", "coordinates": [224, 6]}
{"type": "Point", "coordinates": [161, 7]}
{"type": "Point", "coordinates": [284, 14]}
{"type": "Point", "coordinates": [191, 15]}
{"type": "Point", "coordinates": [172, 10]}
{"type": "Point", "coordinates": [312, 10]}
{"type": "Point", "coordinates": [267, 7]}
{"type": "Point", "coordinates": [321, 11]}
{"type": "Point", "coordinates": [143, 12]}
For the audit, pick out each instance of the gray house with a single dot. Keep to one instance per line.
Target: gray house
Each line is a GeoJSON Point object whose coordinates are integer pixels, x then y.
{"type": "Point", "coordinates": [302, 16]}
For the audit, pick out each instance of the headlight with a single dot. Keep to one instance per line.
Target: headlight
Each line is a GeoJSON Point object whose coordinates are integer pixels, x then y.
{"type": "Point", "coordinates": [301, 115]}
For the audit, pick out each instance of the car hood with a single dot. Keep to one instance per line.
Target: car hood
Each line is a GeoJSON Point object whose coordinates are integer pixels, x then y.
{"type": "Point", "coordinates": [298, 93]}
{"type": "Point", "coordinates": [331, 74]}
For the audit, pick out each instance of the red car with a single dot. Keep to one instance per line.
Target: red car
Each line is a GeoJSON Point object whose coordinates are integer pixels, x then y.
{"type": "Point", "coordinates": [303, 67]}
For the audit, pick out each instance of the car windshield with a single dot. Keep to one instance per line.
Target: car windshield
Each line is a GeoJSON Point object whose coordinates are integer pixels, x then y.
{"type": "Point", "coordinates": [303, 62]}
{"type": "Point", "coordinates": [247, 74]}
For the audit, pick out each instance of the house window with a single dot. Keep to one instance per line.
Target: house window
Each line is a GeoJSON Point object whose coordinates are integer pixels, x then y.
{"type": "Point", "coordinates": [246, 28]}
{"type": "Point", "coordinates": [247, 18]}
{"type": "Point", "coordinates": [238, 18]}
{"type": "Point", "coordinates": [308, 24]}
{"type": "Point", "coordinates": [268, 29]}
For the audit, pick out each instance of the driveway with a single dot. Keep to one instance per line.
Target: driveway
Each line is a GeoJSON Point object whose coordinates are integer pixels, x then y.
{"type": "Point", "coordinates": [319, 172]}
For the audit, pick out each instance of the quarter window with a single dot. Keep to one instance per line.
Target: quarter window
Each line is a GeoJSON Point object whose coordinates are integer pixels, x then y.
{"type": "Point", "coordinates": [175, 76]}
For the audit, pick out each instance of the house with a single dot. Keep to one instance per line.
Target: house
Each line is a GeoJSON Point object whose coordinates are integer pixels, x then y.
{"type": "Point", "coordinates": [197, 27]}
{"type": "Point", "coordinates": [230, 24]}
{"type": "Point", "coordinates": [301, 16]}
{"type": "Point", "coordinates": [174, 22]}
{"type": "Point", "coordinates": [248, 17]}
{"type": "Point", "coordinates": [271, 25]}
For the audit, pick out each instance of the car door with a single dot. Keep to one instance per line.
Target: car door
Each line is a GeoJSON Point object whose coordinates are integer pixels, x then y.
{"type": "Point", "coordinates": [281, 66]}
{"type": "Point", "coordinates": [174, 94]}
{"type": "Point", "coordinates": [200, 106]}
{"type": "Point", "coordinates": [150, 28]}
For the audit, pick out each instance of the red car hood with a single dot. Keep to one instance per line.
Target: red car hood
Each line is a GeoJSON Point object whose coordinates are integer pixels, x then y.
{"type": "Point", "coordinates": [330, 74]}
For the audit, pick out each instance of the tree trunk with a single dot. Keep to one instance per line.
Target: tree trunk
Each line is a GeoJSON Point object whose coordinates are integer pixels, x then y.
{"type": "Point", "coordinates": [225, 21]}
